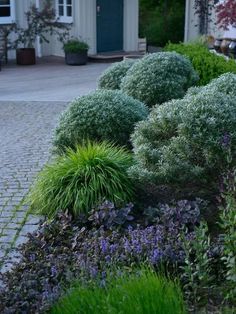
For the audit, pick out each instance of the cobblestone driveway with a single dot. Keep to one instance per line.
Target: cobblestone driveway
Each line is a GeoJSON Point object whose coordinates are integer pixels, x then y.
{"type": "Point", "coordinates": [25, 138]}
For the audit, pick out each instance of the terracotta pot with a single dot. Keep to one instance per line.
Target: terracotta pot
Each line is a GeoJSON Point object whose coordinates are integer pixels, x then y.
{"type": "Point", "coordinates": [225, 46]}
{"type": "Point", "coordinates": [232, 49]}
{"type": "Point", "coordinates": [25, 56]}
{"type": "Point", "coordinates": [217, 44]}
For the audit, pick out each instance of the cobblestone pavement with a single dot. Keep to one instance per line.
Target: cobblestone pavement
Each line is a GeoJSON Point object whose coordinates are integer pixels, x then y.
{"type": "Point", "coordinates": [25, 138]}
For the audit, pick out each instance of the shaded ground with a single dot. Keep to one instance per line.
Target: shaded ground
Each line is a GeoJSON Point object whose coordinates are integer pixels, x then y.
{"type": "Point", "coordinates": [31, 100]}
{"type": "Point", "coordinates": [25, 139]}
{"type": "Point", "coordinates": [49, 80]}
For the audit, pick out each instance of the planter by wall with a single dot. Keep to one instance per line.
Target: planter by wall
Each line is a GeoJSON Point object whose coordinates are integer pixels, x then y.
{"type": "Point", "coordinates": [25, 56]}
{"type": "Point", "coordinates": [79, 58]}
{"type": "Point", "coordinates": [217, 44]}
{"type": "Point", "coordinates": [225, 46]}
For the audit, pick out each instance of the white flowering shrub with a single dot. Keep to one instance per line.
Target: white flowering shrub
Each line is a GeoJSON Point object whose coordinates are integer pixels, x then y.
{"type": "Point", "coordinates": [102, 115]}
{"type": "Point", "coordinates": [225, 83]}
{"type": "Point", "coordinates": [112, 76]}
{"type": "Point", "coordinates": [186, 141]}
{"type": "Point", "coordinates": [159, 77]}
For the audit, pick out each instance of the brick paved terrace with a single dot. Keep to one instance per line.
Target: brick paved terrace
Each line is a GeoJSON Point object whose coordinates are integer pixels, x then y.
{"type": "Point", "coordinates": [31, 101]}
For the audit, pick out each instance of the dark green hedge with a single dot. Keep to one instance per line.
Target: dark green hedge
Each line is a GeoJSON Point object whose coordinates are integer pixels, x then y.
{"type": "Point", "coordinates": [207, 64]}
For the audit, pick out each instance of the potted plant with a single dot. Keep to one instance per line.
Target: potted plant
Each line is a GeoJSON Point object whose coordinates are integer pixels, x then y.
{"type": "Point", "coordinates": [39, 24]}
{"type": "Point", "coordinates": [76, 52]}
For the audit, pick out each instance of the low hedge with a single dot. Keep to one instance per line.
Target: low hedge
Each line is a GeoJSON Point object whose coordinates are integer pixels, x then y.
{"type": "Point", "coordinates": [208, 65]}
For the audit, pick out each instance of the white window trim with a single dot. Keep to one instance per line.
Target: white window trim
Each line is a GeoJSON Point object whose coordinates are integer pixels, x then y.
{"type": "Point", "coordinates": [64, 18]}
{"type": "Point", "coordinates": [10, 19]}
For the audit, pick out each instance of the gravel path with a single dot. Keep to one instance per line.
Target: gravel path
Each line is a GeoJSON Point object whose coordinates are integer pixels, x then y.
{"type": "Point", "coordinates": [25, 141]}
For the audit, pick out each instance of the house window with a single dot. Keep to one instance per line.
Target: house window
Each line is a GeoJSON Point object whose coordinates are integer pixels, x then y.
{"type": "Point", "coordinates": [7, 11]}
{"type": "Point", "coordinates": [65, 11]}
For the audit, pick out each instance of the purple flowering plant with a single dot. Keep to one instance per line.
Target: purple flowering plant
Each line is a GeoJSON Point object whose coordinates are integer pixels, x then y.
{"type": "Point", "coordinates": [64, 249]}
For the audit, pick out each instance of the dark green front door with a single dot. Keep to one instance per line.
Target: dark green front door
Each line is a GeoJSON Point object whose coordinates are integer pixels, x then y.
{"type": "Point", "coordinates": [109, 25]}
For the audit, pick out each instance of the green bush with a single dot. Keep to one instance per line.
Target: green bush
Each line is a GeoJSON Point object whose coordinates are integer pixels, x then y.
{"type": "Point", "coordinates": [207, 64]}
{"type": "Point", "coordinates": [111, 77]}
{"type": "Point", "coordinates": [228, 229]}
{"type": "Point", "coordinates": [159, 77]}
{"type": "Point", "coordinates": [161, 23]}
{"type": "Point", "coordinates": [102, 115]}
{"type": "Point", "coordinates": [75, 46]}
{"type": "Point", "coordinates": [141, 293]}
{"type": "Point", "coordinates": [226, 83]}
{"type": "Point", "coordinates": [185, 141]}
{"type": "Point", "coordinates": [81, 179]}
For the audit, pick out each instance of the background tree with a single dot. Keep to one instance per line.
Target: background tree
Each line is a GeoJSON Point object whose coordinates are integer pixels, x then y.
{"type": "Point", "coordinates": [226, 14]}
{"type": "Point", "coordinates": [162, 21]}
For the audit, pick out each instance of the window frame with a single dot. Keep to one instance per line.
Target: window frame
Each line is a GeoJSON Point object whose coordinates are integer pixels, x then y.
{"type": "Point", "coordinates": [9, 19]}
{"type": "Point", "coordinates": [65, 18]}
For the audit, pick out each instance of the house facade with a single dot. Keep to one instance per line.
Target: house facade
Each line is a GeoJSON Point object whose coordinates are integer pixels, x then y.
{"type": "Point", "coordinates": [106, 25]}
{"type": "Point", "coordinates": [192, 22]}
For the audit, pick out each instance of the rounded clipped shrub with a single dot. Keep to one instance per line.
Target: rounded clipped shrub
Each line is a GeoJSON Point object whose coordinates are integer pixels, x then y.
{"type": "Point", "coordinates": [102, 115]}
{"type": "Point", "coordinates": [111, 77]}
{"type": "Point", "coordinates": [187, 141]}
{"type": "Point", "coordinates": [159, 77]}
{"type": "Point", "coordinates": [225, 83]}
{"type": "Point", "coordinates": [82, 179]}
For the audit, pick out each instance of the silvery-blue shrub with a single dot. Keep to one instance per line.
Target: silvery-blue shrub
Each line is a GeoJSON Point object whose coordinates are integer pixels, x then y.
{"type": "Point", "coordinates": [159, 77]}
{"type": "Point", "coordinates": [112, 76]}
{"type": "Point", "coordinates": [102, 115]}
{"type": "Point", "coordinates": [225, 83]}
{"type": "Point", "coordinates": [187, 141]}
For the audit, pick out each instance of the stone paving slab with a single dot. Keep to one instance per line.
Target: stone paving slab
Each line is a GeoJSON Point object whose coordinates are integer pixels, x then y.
{"type": "Point", "coordinates": [25, 139]}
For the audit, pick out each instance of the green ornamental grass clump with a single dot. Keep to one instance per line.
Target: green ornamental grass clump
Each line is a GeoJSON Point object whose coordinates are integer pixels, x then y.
{"type": "Point", "coordinates": [82, 179]}
{"type": "Point", "coordinates": [111, 78]}
{"type": "Point", "coordinates": [207, 64]}
{"type": "Point", "coordinates": [159, 77]}
{"type": "Point", "coordinates": [143, 292]}
{"type": "Point", "coordinates": [187, 141]}
{"type": "Point", "coordinates": [102, 115]}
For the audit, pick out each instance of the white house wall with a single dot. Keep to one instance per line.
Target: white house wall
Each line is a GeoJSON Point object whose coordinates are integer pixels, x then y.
{"type": "Point", "coordinates": [21, 6]}
{"type": "Point", "coordinates": [192, 21]}
{"type": "Point", "coordinates": [84, 25]}
{"type": "Point", "coordinates": [131, 25]}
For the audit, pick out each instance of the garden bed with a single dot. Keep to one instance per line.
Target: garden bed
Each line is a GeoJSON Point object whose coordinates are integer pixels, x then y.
{"type": "Point", "coordinates": [156, 207]}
